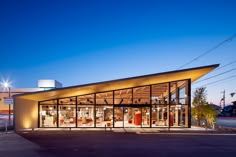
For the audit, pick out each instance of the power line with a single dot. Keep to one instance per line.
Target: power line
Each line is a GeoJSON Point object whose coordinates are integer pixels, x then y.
{"type": "Point", "coordinates": [215, 76]}
{"type": "Point", "coordinates": [226, 65]}
{"type": "Point", "coordinates": [216, 81]}
{"type": "Point", "coordinates": [210, 50]}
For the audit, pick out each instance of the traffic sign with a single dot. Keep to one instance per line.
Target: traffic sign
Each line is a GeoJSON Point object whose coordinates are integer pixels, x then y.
{"type": "Point", "coordinates": [8, 101]}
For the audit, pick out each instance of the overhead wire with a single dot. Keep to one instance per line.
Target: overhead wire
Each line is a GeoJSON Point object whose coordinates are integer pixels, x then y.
{"type": "Point", "coordinates": [210, 50]}
{"type": "Point", "coordinates": [216, 81]}
{"type": "Point", "coordinates": [215, 75]}
{"type": "Point", "coordinates": [225, 65]}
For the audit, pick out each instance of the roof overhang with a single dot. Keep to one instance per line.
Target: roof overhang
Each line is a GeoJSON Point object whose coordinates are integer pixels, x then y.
{"type": "Point", "coordinates": [193, 74]}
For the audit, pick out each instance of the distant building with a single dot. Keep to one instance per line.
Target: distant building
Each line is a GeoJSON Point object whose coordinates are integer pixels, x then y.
{"type": "Point", "coordinates": [229, 110]}
{"type": "Point", "coordinates": [49, 84]}
{"type": "Point", "coordinates": [5, 100]}
{"type": "Point", "coordinates": [4, 93]}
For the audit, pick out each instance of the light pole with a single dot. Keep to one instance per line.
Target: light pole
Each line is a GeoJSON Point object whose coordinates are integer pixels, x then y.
{"type": "Point", "coordinates": [7, 85]}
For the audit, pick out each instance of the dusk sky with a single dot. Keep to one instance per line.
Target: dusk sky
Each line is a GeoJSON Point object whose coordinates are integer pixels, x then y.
{"type": "Point", "coordinates": [79, 42]}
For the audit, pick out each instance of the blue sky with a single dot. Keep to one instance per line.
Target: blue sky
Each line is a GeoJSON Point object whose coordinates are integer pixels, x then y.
{"type": "Point", "coordinates": [78, 42]}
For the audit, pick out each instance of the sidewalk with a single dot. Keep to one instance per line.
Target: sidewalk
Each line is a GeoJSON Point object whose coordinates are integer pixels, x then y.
{"type": "Point", "coordinates": [192, 130]}
{"type": "Point", "coordinates": [13, 145]}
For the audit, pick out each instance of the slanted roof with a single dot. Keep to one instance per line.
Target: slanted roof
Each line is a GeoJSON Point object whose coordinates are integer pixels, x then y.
{"type": "Point", "coordinates": [192, 73]}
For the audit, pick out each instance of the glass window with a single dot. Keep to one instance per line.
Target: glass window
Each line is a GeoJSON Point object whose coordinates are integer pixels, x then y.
{"type": "Point", "coordinates": [123, 96]}
{"type": "Point", "coordinates": [179, 91]}
{"type": "Point", "coordinates": [104, 98]}
{"type": "Point", "coordinates": [132, 117]}
{"type": "Point", "coordinates": [118, 116]}
{"type": "Point", "coordinates": [174, 91]}
{"type": "Point", "coordinates": [141, 95]}
{"type": "Point", "coordinates": [146, 117]}
{"type": "Point", "coordinates": [67, 116]}
{"type": "Point", "coordinates": [64, 101]}
{"type": "Point", "coordinates": [183, 92]}
{"type": "Point", "coordinates": [48, 116]}
{"type": "Point", "coordinates": [104, 115]}
{"type": "Point", "coordinates": [85, 99]}
{"type": "Point", "coordinates": [160, 116]}
{"type": "Point", "coordinates": [131, 108]}
{"type": "Point", "coordinates": [182, 96]}
{"type": "Point", "coordinates": [85, 116]}
{"type": "Point", "coordinates": [160, 94]}
{"type": "Point", "coordinates": [178, 116]}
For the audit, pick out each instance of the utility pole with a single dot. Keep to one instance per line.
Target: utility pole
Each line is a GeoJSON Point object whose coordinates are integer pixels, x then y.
{"type": "Point", "coordinates": [223, 99]}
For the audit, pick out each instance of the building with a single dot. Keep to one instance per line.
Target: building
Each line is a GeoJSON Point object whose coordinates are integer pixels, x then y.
{"type": "Point", "coordinates": [5, 100]}
{"type": "Point", "coordinates": [49, 84]}
{"type": "Point", "coordinates": [156, 100]}
{"type": "Point", "coordinates": [229, 111]}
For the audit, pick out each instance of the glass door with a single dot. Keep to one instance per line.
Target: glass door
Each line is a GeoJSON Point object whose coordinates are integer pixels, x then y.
{"type": "Point", "coordinates": [118, 117]}
{"type": "Point", "coordinates": [132, 117]}
{"type": "Point", "coordinates": [146, 117]}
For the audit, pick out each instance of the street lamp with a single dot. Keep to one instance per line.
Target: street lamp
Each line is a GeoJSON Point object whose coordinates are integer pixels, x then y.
{"type": "Point", "coordinates": [7, 85]}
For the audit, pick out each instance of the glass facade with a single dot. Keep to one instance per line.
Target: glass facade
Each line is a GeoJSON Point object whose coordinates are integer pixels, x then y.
{"type": "Point", "coordinates": [154, 105]}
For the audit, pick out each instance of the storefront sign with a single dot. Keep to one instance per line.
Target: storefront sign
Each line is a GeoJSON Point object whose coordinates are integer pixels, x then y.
{"type": "Point", "coordinates": [8, 101]}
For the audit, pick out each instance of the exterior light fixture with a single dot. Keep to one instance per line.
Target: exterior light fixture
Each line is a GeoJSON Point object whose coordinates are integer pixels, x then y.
{"type": "Point", "coordinates": [7, 85]}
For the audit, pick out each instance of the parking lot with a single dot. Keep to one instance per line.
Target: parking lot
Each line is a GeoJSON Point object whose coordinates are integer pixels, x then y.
{"type": "Point", "coordinates": [100, 143]}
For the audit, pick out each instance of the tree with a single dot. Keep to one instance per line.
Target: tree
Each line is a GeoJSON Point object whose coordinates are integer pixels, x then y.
{"type": "Point", "coordinates": [209, 114]}
{"type": "Point", "coordinates": [201, 109]}
{"type": "Point", "coordinates": [198, 101]}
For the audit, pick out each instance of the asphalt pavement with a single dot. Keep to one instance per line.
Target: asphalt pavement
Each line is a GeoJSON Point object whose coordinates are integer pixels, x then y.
{"type": "Point", "coordinates": [116, 144]}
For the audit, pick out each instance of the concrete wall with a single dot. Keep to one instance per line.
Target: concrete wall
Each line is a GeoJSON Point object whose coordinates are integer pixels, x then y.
{"type": "Point", "coordinates": [25, 114]}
